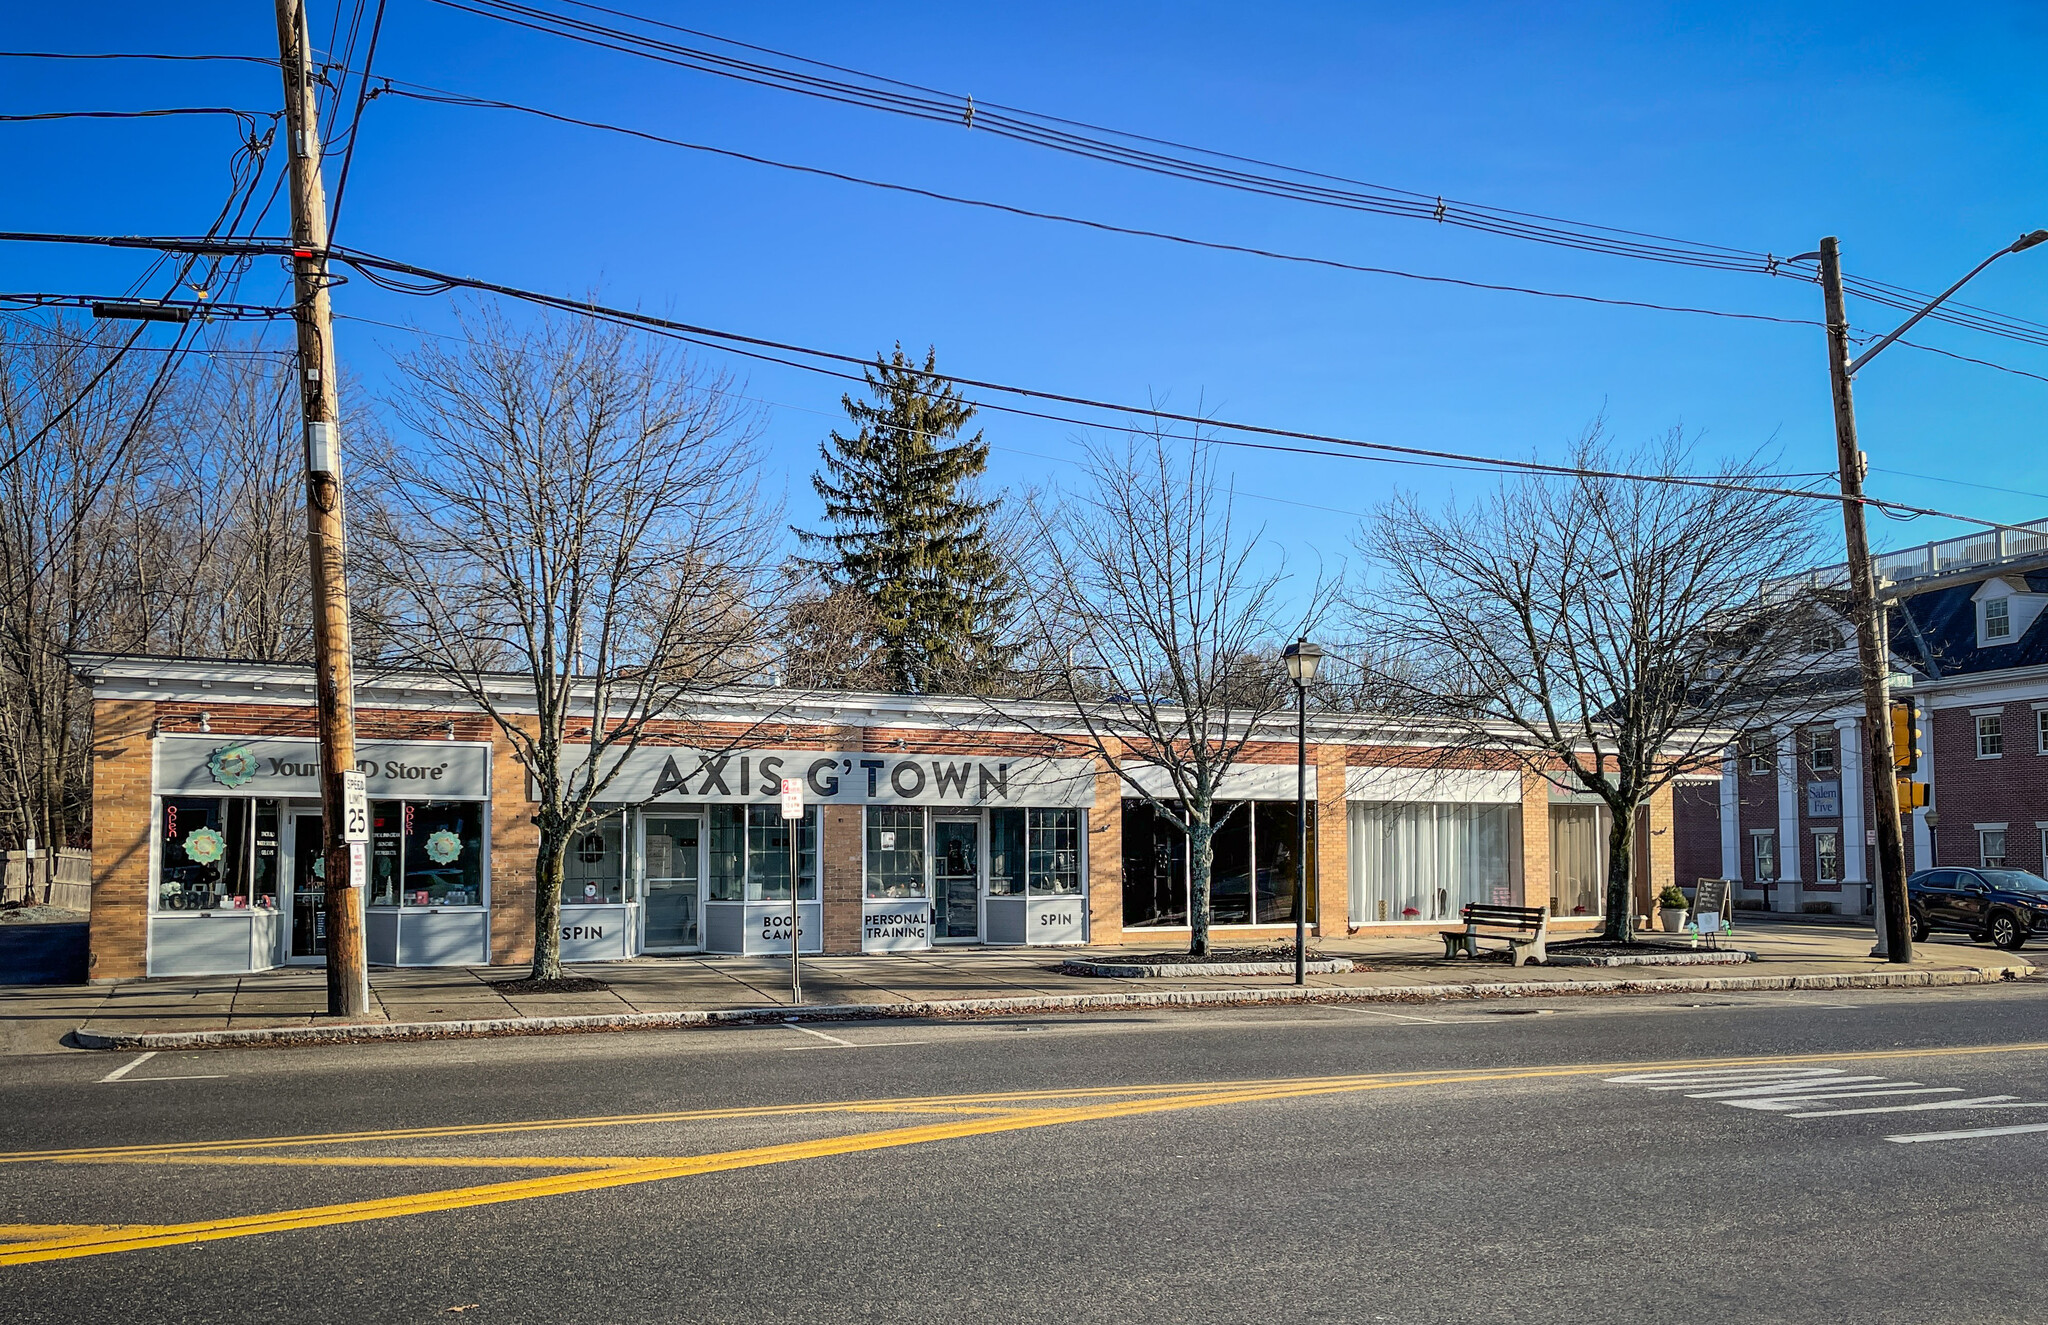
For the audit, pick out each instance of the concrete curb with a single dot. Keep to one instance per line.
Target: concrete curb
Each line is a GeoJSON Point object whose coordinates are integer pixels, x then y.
{"type": "Point", "coordinates": [1704, 957]}
{"type": "Point", "coordinates": [371, 1032]}
{"type": "Point", "coordinates": [1194, 970]}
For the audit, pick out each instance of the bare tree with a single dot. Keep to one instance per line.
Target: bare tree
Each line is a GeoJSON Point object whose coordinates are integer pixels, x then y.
{"type": "Point", "coordinates": [1606, 629]}
{"type": "Point", "coordinates": [1159, 622]}
{"type": "Point", "coordinates": [830, 636]}
{"type": "Point", "coordinates": [78, 437]}
{"type": "Point", "coordinates": [578, 510]}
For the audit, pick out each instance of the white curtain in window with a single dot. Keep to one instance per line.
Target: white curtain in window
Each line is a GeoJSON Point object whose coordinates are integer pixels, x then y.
{"type": "Point", "coordinates": [1424, 862]}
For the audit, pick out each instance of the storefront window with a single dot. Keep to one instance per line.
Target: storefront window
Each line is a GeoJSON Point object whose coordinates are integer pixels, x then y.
{"type": "Point", "coordinates": [218, 854]}
{"type": "Point", "coordinates": [1276, 841]}
{"type": "Point", "coordinates": [1006, 853]}
{"type": "Point", "coordinates": [1155, 868]}
{"type": "Point", "coordinates": [595, 871]}
{"type": "Point", "coordinates": [768, 854]}
{"type": "Point", "coordinates": [895, 851]}
{"type": "Point", "coordinates": [1253, 879]}
{"type": "Point", "coordinates": [387, 851]}
{"type": "Point", "coordinates": [444, 853]}
{"type": "Point", "coordinates": [1055, 852]}
{"type": "Point", "coordinates": [1425, 862]}
{"type": "Point", "coordinates": [431, 853]}
{"type": "Point", "coordinates": [727, 881]}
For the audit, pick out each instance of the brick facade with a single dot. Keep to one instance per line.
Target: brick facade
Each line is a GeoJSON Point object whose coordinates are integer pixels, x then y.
{"type": "Point", "coordinates": [2011, 789]}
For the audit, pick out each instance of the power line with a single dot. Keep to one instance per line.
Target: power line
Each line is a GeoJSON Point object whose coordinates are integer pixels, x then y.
{"type": "Point", "coordinates": [145, 55]}
{"type": "Point", "coordinates": [425, 280]}
{"type": "Point", "coordinates": [355, 124]}
{"type": "Point", "coordinates": [875, 92]}
{"type": "Point", "coordinates": [459, 99]}
{"type": "Point", "coordinates": [248, 117]}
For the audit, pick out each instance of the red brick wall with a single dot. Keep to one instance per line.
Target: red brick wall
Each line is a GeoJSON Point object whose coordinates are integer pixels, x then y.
{"type": "Point", "coordinates": [2011, 789]}
{"type": "Point", "coordinates": [1696, 827]}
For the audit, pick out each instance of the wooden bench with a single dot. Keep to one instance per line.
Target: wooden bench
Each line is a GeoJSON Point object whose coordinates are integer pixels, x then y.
{"type": "Point", "coordinates": [1520, 927]}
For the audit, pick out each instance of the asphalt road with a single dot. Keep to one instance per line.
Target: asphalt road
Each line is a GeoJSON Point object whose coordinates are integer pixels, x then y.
{"type": "Point", "coordinates": [1475, 1161]}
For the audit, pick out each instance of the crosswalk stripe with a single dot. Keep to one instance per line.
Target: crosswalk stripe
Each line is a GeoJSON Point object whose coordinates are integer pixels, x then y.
{"type": "Point", "coordinates": [1966, 1135]}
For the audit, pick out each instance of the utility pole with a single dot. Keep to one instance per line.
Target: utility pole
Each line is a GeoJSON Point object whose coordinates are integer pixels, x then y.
{"type": "Point", "coordinates": [348, 978]}
{"type": "Point", "coordinates": [1873, 660]}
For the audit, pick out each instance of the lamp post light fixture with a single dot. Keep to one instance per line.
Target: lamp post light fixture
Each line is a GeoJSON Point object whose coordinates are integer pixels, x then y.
{"type": "Point", "coordinates": [1302, 659]}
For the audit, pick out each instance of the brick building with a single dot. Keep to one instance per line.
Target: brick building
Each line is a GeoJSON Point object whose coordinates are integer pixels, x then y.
{"type": "Point", "coordinates": [929, 822]}
{"type": "Point", "coordinates": [1790, 815]}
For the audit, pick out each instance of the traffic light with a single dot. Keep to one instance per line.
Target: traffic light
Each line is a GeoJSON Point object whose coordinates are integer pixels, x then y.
{"type": "Point", "coordinates": [1912, 795]}
{"type": "Point", "coordinates": [1905, 739]}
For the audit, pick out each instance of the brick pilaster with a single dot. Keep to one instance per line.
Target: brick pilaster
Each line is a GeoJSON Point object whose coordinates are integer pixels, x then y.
{"type": "Point", "coordinates": [1333, 842]}
{"type": "Point", "coordinates": [122, 799]}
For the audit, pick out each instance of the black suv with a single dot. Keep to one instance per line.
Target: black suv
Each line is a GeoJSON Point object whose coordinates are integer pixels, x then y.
{"type": "Point", "coordinates": [2001, 905]}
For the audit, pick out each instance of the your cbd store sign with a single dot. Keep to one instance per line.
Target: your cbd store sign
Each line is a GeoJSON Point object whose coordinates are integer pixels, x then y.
{"type": "Point", "coordinates": [202, 765]}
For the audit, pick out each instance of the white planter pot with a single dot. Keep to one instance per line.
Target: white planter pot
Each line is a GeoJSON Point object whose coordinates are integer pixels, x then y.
{"type": "Point", "coordinates": [1674, 920]}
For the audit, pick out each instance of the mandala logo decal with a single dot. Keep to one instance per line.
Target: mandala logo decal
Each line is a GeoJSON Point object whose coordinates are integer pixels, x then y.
{"type": "Point", "coordinates": [205, 845]}
{"type": "Point", "coordinates": [232, 765]}
{"type": "Point", "coordinates": [443, 847]}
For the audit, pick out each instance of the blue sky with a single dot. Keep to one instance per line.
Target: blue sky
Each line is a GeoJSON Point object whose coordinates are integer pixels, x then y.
{"type": "Point", "coordinates": [1913, 132]}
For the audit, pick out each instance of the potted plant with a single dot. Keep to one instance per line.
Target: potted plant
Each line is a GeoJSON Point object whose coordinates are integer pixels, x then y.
{"type": "Point", "coordinates": [1671, 909]}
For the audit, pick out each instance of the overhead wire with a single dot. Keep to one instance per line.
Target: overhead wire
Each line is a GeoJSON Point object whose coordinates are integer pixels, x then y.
{"type": "Point", "coordinates": [877, 92]}
{"type": "Point", "coordinates": [363, 95]}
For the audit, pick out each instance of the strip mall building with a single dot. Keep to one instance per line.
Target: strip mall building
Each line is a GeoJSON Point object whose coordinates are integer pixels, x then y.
{"type": "Point", "coordinates": [929, 822]}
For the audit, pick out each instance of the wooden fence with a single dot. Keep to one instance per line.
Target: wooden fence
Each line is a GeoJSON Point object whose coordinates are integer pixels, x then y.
{"type": "Point", "coordinates": [31, 881]}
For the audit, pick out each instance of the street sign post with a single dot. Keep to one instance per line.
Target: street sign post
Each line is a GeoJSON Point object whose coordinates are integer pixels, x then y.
{"type": "Point", "coordinates": [792, 821]}
{"type": "Point", "coordinates": [355, 808]}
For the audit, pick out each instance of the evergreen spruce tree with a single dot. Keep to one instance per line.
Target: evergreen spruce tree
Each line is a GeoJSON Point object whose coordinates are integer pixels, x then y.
{"type": "Point", "coordinates": [907, 532]}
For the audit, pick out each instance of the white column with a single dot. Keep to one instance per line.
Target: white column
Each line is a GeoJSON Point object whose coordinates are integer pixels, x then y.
{"type": "Point", "coordinates": [1849, 739]}
{"type": "Point", "coordinates": [1785, 897]}
{"type": "Point", "coordinates": [1731, 818]}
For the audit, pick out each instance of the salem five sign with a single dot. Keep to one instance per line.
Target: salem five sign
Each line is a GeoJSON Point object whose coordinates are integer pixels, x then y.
{"type": "Point", "coordinates": [674, 773]}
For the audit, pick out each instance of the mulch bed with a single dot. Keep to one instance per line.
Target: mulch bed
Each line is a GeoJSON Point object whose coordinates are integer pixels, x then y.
{"type": "Point", "coordinates": [1609, 948]}
{"type": "Point", "coordinates": [568, 984]}
{"type": "Point", "coordinates": [16, 913]}
{"type": "Point", "coordinates": [1279, 952]}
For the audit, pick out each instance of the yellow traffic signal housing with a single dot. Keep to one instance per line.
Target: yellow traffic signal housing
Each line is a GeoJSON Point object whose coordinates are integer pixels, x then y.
{"type": "Point", "coordinates": [1905, 740]}
{"type": "Point", "coordinates": [1912, 795]}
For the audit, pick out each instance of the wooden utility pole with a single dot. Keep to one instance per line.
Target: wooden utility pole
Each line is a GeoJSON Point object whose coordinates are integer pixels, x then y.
{"type": "Point", "coordinates": [348, 978]}
{"type": "Point", "coordinates": [1873, 655]}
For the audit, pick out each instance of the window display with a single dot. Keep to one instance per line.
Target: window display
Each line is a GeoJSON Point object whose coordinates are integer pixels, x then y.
{"type": "Point", "coordinates": [594, 869]}
{"type": "Point", "coordinates": [895, 852]}
{"type": "Point", "coordinates": [218, 854]}
{"type": "Point", "coordinates": [426, 853]}
{"type": "Point", "coordinates": [1006, 853]}
{"type": "Point", "coordinates": [727, 878]}
{"type": "Point", "coordinates": [1055, 853]}
{"type": "Point", "coordinates": [1252, 872]}
{"type": "Point", "coordinates": [768, 854]}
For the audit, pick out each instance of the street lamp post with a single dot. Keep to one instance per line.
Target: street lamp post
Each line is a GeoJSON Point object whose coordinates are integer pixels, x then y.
{"type": "Point", "coordinates": [1302, 660]}
{"type": "Point", "coordinates": [1895, 939]}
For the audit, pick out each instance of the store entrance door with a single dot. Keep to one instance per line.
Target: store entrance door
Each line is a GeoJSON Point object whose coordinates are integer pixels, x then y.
{"type": "Point", "coordinates": [306, 901]}
{"type": "Point", "coordinates": [956, 880]}
{"type": "Point", "coordinates": [670, 853]}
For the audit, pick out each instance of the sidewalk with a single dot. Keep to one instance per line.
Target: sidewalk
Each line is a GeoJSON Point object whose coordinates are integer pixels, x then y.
{"type": "Point", "coordinates": [682, 990]}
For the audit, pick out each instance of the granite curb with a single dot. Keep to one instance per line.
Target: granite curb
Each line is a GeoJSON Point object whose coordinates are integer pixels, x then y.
{"type": "Point", "coordinates": [373, 1032]}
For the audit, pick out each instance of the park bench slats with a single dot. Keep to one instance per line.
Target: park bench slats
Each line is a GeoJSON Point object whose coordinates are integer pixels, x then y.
{"type": "Point", "coordinates": [1522, 928]}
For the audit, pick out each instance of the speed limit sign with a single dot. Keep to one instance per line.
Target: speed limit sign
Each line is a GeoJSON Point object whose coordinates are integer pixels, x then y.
{"type": "Point", "coordinates": [355, 808]}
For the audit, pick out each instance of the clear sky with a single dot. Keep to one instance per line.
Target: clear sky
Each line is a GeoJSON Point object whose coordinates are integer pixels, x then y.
{"type": "Point", "coordinates": [1914, 132]}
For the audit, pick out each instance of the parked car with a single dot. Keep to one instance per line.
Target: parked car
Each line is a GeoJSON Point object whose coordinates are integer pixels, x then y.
{"type": "Point", "coordinates": [2000, 906]}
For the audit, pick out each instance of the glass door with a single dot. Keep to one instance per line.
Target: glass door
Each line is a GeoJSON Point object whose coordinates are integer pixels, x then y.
{"type": "Point", "coordinates": [670, 848]}
{"type": "Point", "coordinates": [307, 899]}
{"type": "Point", "coordinates": [956, 880]}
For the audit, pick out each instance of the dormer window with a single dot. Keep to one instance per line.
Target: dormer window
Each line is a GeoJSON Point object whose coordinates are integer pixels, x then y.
{"type": "Point", "coordinates": [1997, 619]}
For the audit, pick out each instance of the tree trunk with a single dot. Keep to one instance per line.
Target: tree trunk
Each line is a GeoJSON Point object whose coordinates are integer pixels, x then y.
{"type": "Point", "coordinates": [547, 905]}
{"type": "Point", "coordinates": [1621, 901]}
{"type": "Point", "coordinates": [1201, 859]}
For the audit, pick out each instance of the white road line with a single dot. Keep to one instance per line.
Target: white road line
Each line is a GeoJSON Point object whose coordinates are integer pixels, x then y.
{"type": "Point", "coordinates": [1391, 1016]}
{"type": "Point", "coordinates": [1980, 1102]}
{"type": "Point", "coordinates": [1783, 1103]}
{"type": "Point", "coordinates": [844, 1044]}
{"type": "Point", "coordinates": [1964, 1136]}
{"type": "Point", "coordinates": [208, 1076]}
{"type": "Point", "coordinates": [1789, 1087]}
{"type": "Point", "coordinates": [126, 1068]}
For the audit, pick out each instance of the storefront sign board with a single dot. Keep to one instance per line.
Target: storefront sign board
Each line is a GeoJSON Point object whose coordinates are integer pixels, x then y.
{"type": "Point", "coordinates": [191, 764]}
{"type": "Point", "coordinates": [896, 926]}
{"type": "Point", "coordinates": [746, 776]}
